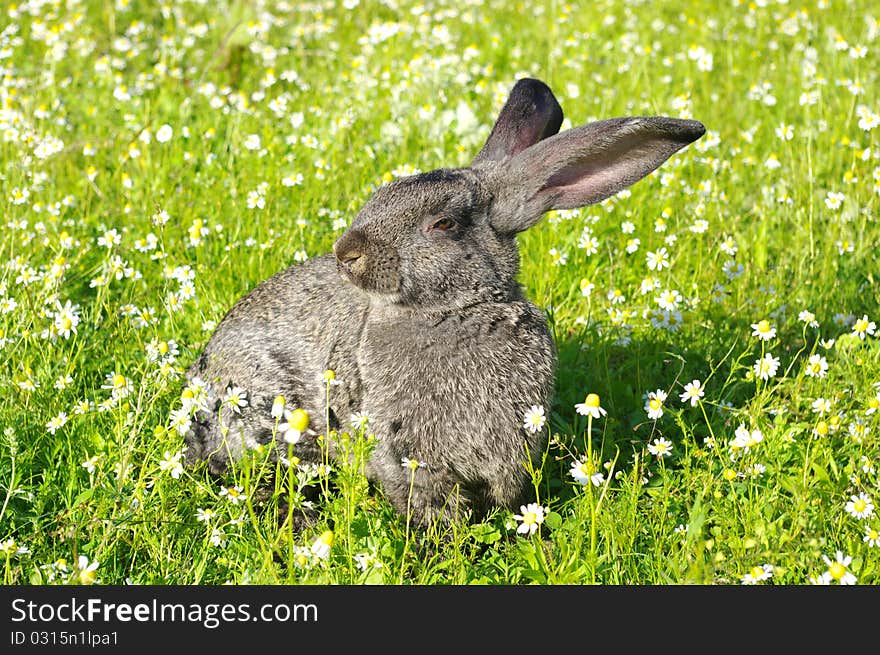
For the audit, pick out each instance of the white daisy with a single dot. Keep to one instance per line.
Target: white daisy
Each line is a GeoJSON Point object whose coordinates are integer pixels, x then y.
{"type": "Point", "coordinates": [860, 506]}
{"type": "Point", "coordinates": [584, 473]}
{"type": "Point", "coordinates": [693, 391]}
{"type": "Point", "coordinates": [766, 367]}
{"type": "Point", "coordinates": [817, 366]}
{"type": "Point", "coordinates": [590, 407]}
{"type": "Point", "coordinates": [531, 516]}
{"type": "Point", "coordinates": [837, 569]}
{"type": "Point", "coordinates": [660, 447]}
{"type": "Point", "coordinates": [654, 404]}
{"type": "Point", "coordinates": [236, 398]}
{"type": "Point", "coordinates": [534, 418]}
{"type": "Point", "coordinates": [763, 330]}
{"type": "Point", "coordinates": [758, 574]}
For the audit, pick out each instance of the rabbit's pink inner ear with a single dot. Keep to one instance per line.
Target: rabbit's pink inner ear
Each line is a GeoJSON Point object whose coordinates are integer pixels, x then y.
{"type": "Point", "coordinates": [585, 165]}
{"type": "Point", "coordinates": [591, 180]}
{"type": "Point", "coordinates": [530, 115]}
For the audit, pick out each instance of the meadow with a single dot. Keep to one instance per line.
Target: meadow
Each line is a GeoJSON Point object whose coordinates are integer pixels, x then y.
{"type": "Point", "coordinates": [161, 159]}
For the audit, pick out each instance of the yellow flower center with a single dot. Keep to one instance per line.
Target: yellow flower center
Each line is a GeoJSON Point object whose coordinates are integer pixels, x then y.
{"type": "Point", "coordinates": [118, 381]}
{"type": "Point", "coordinates": [859, 505]}
{"type": "Point", "coordinates": [763, 326]}
{"type": "Point", "coordinates": [592, 400]}
{"type": "Point", "coordinates": [88, 577]}
{"type": "Point", "coordinates": [299, 420]}
{"type": "Point", "coordinates": [873, 535]}
{"type": "Point", "coordinates": [329, 375]}
{"type": "Point", "coordinates": [822, 428]}
{"type": "Point", "coordinates": [837, 570]}
{"type": "Point", "coordinates": [529, 518]}
{"type": "Point", "coordinates": [326, 538]}
{"type": "Point", "coordinates": [66, 323]}
{"type": "Point", "coordinates": [232, 492]}
{"type": "Point", "coordinates": [162, 347]}
{"type": "Point", "coordinates": [279, 400]}
{"type": "Point", "coordinates": [535, 419]}
{"type": "Point", "coordinates": [757, 572]}
{"type": "Point", "coordinates": [861, 325]}
{"type": "Point", "coordinates": [874, 403]}
{"type": "Point", "coordinates": [655, 404]}
{"type": "Point", "coordinates": [729, 475]}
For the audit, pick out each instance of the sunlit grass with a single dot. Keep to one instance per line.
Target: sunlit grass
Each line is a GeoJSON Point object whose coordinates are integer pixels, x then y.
{"type": "Point", "coordinates": [160, 161]}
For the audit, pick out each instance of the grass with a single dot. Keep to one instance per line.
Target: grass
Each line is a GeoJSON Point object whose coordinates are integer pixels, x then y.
{"type": "Point", "coordinates": [255, 95]}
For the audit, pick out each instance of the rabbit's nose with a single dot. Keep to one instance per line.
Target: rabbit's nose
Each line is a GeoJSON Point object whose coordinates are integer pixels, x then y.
{"type": "Point", "coordinates": [349, 248]}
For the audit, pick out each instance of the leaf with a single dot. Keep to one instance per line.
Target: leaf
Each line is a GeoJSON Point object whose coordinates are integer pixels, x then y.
{"type": "Point", "coordinates": [84, 496]}
{"type": "Point", "coordinates": [834, 469]}
{"type": "Point", "coordinates": [820, 472]}
{"type": "Point", "coordinates": [527, 552]}
{"type": "Point", "coordinates": [553, 520]}
{"type": "Point", "coordinates": [374, 576]}
{"type": "Point", "coordinates": [485, 533]}
{"type": "Point", "coordinates": [535, 575]}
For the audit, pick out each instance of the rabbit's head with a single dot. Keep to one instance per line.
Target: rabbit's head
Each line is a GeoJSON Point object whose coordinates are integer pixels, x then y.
{"type": "Point", "coordinates": [447, 238]}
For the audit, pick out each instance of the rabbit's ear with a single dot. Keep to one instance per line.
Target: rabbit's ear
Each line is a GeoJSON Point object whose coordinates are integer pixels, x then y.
{"type": "Point", "coordinates": [584, 165]}
{"type": "Point", "coordinates": [530, 114]}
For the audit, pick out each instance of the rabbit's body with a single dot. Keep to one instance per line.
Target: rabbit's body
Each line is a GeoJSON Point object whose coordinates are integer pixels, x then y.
{"type": "Point", "coordinates": [420, 315]}
{"type": "Point", "coordinates": [476, 369]}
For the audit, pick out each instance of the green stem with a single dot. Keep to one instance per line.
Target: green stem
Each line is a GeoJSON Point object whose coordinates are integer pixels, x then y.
{"type": "Point", "coordinates": [412, 482]}
{"type": "Point", "coordinates": [706, 418]}
{"type": "Point", "coordinates": [589, 439]}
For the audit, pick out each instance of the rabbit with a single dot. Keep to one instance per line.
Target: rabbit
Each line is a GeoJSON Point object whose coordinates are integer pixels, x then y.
{"type": "Point", "coordinates": [419, 313]}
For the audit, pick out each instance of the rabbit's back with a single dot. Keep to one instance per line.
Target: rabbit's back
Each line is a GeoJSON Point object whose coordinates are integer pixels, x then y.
{"type": "Point", "coordinates": [278, 340]}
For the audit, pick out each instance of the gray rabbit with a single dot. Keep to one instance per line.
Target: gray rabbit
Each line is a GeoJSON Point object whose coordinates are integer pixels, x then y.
{"type": "Point", "coordinates": [419, 313]}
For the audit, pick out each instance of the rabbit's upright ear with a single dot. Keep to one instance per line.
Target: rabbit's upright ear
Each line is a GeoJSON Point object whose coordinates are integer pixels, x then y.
{"type": "Point", "coordinates": [530, 114]}
{"type": "Point", "coordinates": [582, 166]}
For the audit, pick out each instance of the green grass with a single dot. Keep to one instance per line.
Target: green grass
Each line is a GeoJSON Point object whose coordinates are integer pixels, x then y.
{"type": "Point", "coordinates": [379, 90]}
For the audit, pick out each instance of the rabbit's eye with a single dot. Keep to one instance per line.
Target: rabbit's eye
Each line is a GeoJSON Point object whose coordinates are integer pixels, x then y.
{"type": "Point", "coordinates": [444, 225]}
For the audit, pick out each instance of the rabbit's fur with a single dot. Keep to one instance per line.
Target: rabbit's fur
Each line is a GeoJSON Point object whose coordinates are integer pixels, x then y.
{"type": "Point", "coordinates": [420, 315]}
